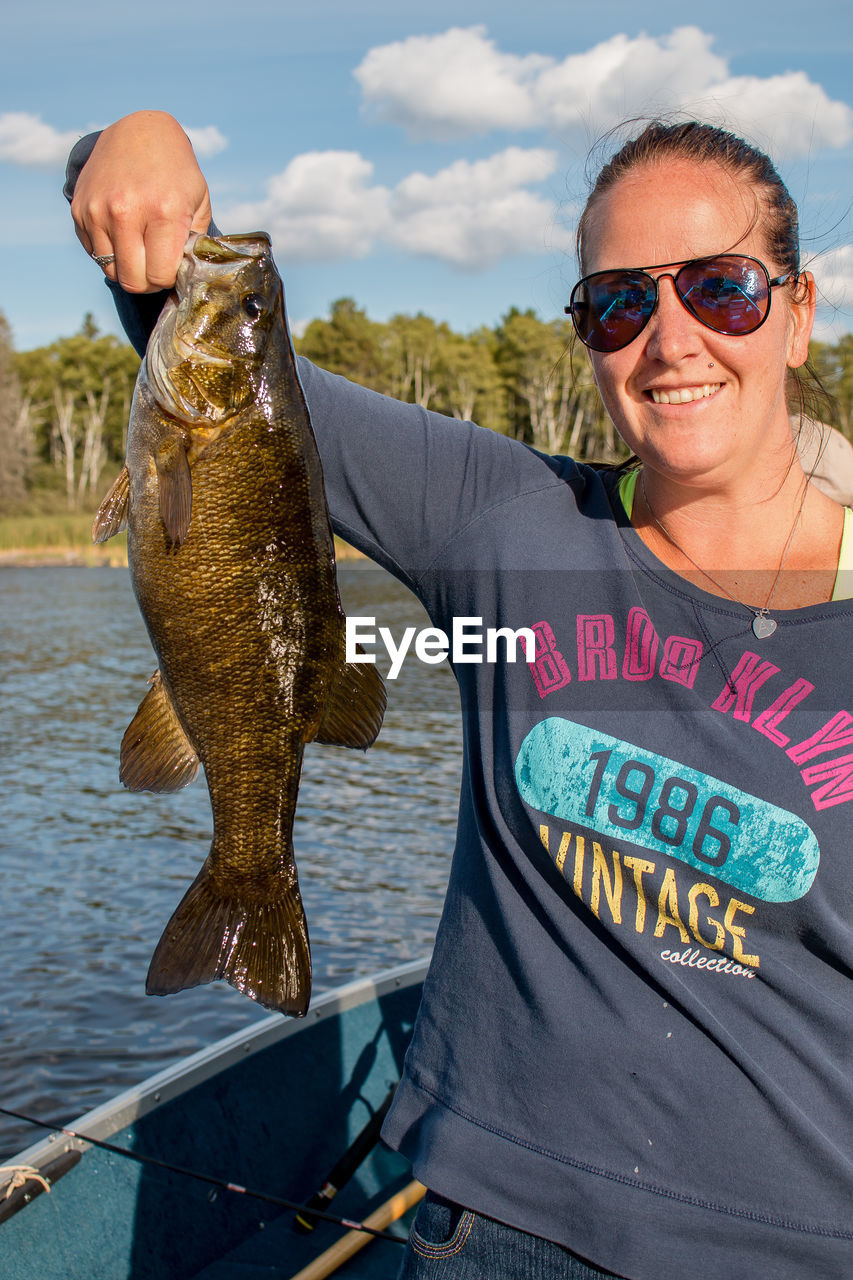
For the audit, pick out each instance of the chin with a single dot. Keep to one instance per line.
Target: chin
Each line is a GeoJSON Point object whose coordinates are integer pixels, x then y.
{"type": "Point", "coordinates": [689, 462]}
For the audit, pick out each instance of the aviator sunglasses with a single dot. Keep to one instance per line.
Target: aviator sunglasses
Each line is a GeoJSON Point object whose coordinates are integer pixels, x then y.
{"type": "Point", "coordinates": [729, 294]}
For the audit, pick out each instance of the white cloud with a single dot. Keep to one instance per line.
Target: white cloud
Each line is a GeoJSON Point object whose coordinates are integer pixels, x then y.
{"type": "Point", "coordinates": [621, 77]}
{"type": "Point", "coordinates": [469, 215]}
{"type": "Point", "coordinates": [472, 215]}
{"type": "Point", "coordinates": [478, 181]}
{"type": "Point", "coordinates": [786, 113]}
{"type": "Point", "coordinates": [833, 274]}
{"type": "Point", "coordinates": [459, 83]}
{"type": "Point", "coordinates": [207, 141]}
{"type": "Point", "coordinates": [319, 208]}
{"type": "Point", "coordinates": [450, 84]}
{"type": "Point", "coordinates": [26, 140]}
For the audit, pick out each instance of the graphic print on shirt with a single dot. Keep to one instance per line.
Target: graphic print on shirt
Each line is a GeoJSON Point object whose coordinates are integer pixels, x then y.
{"type": "Point", "coordinates": [622, 792]}
{"type": "Point", "coordinates": [824, 758]}
{"type": "Point", "coordinates": [601, 794]}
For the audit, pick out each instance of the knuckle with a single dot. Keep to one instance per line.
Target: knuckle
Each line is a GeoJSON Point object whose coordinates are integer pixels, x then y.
{"type": "Point", "coordinates": [119, 209]}
{"type": "Point", "coordinates": [161, 279]}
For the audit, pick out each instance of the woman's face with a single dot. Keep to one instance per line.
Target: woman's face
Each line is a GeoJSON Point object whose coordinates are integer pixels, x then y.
{"type": "Point", "coordinates": [738, 414]}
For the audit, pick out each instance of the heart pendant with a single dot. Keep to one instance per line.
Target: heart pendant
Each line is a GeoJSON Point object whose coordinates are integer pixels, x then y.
{"type": "Point", "coordinates": [762, 626]}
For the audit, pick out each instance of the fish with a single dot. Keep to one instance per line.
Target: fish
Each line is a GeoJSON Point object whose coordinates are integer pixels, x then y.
{"type": "Point", "coordinates": [232, 561]}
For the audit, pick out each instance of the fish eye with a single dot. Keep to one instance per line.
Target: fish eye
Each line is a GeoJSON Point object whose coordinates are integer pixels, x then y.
{"type": "Point", "coordinates": [254, 305]}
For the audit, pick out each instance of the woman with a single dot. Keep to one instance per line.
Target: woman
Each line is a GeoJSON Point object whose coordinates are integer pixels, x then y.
{"type": "Point", "coordinates": [633, 1052]}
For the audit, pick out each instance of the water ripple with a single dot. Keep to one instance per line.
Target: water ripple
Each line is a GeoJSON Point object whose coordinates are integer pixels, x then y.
{"type": "Point", "coordinates": [92, 872]}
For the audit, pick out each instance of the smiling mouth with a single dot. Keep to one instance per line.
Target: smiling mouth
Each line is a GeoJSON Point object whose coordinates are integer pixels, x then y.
{"type": "Point", "coordinates": [683, 395]}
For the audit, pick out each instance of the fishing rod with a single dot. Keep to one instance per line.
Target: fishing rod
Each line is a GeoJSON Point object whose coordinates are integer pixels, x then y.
{"type": "Point", "coordinates": [354, 1156]}
{"type": "Point", "coordinates": [220, 1183]}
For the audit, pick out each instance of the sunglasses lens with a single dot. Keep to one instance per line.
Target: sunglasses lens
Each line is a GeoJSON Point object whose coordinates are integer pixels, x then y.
{"type": "Point", "coordinates": [729, 295]}
{"type": "Point", "coordinates": [610, 308]}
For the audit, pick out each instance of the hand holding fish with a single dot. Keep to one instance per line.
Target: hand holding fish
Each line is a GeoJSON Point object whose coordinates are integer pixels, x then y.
{"type": "Point", "coordinates": [139, 197]}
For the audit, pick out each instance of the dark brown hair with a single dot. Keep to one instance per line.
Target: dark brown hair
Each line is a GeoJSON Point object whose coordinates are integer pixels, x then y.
{"type": "Point", "coordinates": [776, 212]}
{"type": "Point", "coordinates": [706, 144]}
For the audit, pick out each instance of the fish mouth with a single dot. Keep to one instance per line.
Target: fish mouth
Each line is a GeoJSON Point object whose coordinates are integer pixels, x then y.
{"type": "Point", "coordinates": [163, 358]}
{"type": "Point", "coordinates": [183, 365]}
{"type": "Point", "coordinates": [170, 349]}
{"type": "Point", "coordinates": [186, 350]}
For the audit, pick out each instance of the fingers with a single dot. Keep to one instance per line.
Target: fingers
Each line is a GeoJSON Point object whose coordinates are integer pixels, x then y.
{"type": "Point", "coordinates": [138, 197]}
{"type": "Point", "coordinates": [98, 248]}
{"type": "Point", "coordinates": [148, 254]}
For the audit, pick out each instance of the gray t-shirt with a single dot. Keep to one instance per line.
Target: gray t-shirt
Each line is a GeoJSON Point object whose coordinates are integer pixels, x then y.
{"type": "Point", "coordinates": [636, 1034]}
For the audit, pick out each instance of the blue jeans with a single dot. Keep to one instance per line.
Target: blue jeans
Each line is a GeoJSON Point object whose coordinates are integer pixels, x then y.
{"type": "Point", "coordinates": [448, 1242]}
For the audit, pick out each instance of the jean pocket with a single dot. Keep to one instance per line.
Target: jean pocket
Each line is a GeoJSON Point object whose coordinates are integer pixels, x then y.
{"type": "Point", "coordinates": [440, 1228]}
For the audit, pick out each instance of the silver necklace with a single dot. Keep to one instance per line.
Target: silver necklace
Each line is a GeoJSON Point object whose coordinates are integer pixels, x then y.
{"type": "Point", "coordinates": [762, 624]}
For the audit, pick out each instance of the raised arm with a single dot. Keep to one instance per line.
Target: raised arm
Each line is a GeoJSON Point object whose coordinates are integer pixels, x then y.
{"type": "Point", "coordinates": [139, 195]}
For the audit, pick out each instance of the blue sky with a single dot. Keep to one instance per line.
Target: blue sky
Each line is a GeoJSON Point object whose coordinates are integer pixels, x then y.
{"type": "Point", "coordinates": [412, 156]}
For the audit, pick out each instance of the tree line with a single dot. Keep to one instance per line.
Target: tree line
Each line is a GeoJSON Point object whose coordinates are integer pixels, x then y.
{"type": "Point", "coordinates": [64, 410]}
{"type": "Point", "coordinates": [64, 407]}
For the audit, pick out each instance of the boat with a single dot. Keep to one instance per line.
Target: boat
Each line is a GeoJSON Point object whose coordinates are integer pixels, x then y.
{"type": "Point", "coordinates": [194, 1174]}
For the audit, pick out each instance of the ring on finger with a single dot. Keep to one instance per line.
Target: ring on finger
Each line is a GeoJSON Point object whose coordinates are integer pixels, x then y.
{"type": "Point", "coordinates": [104, 259]}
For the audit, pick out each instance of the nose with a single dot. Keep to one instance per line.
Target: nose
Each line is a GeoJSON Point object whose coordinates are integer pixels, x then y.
{"type": "Point", "coordinates": [673, 334]}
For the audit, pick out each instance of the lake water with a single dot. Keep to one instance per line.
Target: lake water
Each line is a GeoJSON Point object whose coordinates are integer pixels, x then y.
{"type": "Point", "coordinates": [92, 872]}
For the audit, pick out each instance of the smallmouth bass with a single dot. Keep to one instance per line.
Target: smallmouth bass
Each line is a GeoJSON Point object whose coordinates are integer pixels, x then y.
{"type": "Point", "coordinates": [232, 562]}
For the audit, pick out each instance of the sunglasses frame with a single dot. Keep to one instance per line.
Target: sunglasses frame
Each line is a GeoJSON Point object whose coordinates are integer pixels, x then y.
{"type": "Point", "coordinates": [668, 275]}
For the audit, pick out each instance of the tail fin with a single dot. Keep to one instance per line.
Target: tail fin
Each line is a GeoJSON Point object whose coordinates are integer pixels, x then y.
{"type": "Point", "coordinates": [259, 947]}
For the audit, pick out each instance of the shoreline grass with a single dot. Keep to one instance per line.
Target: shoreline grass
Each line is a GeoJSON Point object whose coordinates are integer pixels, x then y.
{"type": "Point", "coordinates": [65, 538]}
{"type": "Point", "coordinates": [62, 538]}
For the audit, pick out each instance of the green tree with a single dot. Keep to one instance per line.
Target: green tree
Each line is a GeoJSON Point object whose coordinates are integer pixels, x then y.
{"type": "Point", "coordinates": [552, 400]}
{"type": "Point", "coordinates": [80, 390]}
{"type": "Point", "coordinates": [834, 366]}
{"type": "Point", "coordinates": [15, 433]}
{"type": "Point", "coordinates": [470, 383]}
{"type": "Point", "coordinates": [414, 346]}
{"type": "Point", "coordinates": [348, 343]}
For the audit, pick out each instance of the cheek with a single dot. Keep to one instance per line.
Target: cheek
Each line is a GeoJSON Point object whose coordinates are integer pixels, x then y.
{"type": "Point", "coordinates": [763, 364]}
{"type": "Point", "coordinates": [611, 374]}
{"type": "Point", "coordinates": [602, 370]}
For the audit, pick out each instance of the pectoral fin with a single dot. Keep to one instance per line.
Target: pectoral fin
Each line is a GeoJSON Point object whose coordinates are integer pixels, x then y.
{"type": "Point", "coordinates": [176, 488]}
{"type": "Point", "coordinates": [156, 754]}
{"type": "Point", "coordinates": [112, 513]}
{"type": "Point", "coordinates": [355, 707]}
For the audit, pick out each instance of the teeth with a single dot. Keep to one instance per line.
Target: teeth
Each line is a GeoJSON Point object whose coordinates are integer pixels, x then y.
{"type": "Point", "coordinates": [683, 395]}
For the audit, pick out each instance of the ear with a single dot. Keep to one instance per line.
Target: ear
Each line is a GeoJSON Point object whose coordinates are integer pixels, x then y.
{"type": "Point", "coordinates": [801, 310]}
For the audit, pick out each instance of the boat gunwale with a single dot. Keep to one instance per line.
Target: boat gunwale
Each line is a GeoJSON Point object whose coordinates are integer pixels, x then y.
{"type": "Point", "coordinates": [170, 1082]}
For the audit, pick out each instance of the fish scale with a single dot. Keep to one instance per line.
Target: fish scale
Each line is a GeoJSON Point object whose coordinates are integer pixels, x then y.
{"type": "Point", "coordinates": [232, 562]}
